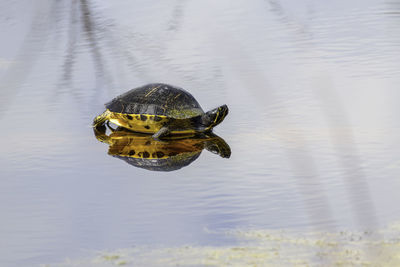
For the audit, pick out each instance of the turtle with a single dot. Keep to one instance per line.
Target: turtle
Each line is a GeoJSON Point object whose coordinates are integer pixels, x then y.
{"type": "Point", "coordinates": [170, 154]}
{"type": "Point", "coordinates": [161, 110]}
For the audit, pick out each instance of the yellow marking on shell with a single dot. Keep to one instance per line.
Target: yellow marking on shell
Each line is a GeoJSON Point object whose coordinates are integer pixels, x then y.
{"type": "Point", "coordinates": [149, 125]}
{"type": "Point", "coordinates": [177, 95]}
{"type": "Point", "coordinates": [152, 91]}
{"type": "Point", "coordinates": [184, 113]}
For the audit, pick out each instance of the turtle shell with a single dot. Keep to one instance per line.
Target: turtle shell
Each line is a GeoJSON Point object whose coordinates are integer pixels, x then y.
{"type": "Point", "coordinates": [157, 99]}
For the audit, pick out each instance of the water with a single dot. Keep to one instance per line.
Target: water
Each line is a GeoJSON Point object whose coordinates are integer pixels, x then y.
{"type": "Point", "coordinates": [313, 125]}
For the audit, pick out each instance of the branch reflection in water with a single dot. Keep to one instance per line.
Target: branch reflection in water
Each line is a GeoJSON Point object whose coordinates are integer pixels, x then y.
{"type": "Point", "coordinates": [169, 154]}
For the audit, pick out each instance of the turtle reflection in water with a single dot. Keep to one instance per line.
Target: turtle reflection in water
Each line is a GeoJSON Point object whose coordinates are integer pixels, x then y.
{"type": "Point", "coordinates": [172, 153]}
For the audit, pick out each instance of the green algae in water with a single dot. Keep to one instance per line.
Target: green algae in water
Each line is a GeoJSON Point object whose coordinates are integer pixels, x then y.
{"type": "Point", "coordinates": [267, 248]}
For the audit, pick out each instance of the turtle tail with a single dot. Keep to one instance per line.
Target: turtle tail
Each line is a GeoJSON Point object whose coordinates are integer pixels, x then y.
{"type": "Point", "coordinates": [99, 120]}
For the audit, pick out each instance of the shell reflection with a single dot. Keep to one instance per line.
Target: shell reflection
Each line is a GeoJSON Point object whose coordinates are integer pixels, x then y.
{"type": "Point", "coordinates": [170, 154]}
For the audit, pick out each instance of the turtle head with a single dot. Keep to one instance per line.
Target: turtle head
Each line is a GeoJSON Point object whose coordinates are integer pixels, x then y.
{"type": "Point", "coordinates": [215, 116]}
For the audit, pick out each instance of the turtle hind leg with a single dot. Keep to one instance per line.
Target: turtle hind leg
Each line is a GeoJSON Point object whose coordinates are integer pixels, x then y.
{"type": "Point", "coordinates": [164, 131]}
{"type": "Point", "coordinates": [99, 120]}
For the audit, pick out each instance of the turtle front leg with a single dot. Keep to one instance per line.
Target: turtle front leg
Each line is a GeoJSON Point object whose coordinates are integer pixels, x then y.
{"type": "Point", "coordinates": [164, 131]}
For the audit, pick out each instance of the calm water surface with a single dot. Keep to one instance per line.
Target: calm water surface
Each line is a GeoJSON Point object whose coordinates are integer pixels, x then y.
{"type": "Point", "coordinates": [312, 88]}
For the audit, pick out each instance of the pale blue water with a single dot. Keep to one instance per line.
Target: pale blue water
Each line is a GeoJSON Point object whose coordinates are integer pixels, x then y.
{"type": "Point", "coordinates": [312, 88]}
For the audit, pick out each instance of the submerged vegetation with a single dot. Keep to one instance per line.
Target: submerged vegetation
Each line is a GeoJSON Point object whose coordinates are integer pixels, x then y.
{"type": "Point", "coordinates": [267, 248]}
